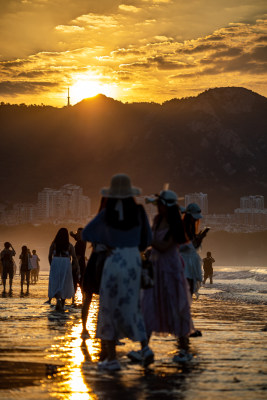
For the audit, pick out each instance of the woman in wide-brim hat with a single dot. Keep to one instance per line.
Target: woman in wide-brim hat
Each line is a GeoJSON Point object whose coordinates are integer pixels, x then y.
{"type": "Point", "coordinates": [122, 226]}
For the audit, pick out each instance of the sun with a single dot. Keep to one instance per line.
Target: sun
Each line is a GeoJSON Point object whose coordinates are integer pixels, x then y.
{"type": "Point", "coordinates": [84, 88]}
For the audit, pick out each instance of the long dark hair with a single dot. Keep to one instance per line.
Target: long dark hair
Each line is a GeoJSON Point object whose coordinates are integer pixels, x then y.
{"type": "Point", "coordinates": [175, 222]}
{"type": "Point", "coordinates": [130, 214]}
{"type": "Point", "coordinates": [61, 240]}
{"type": "Point", "coordinates": [189, 226]}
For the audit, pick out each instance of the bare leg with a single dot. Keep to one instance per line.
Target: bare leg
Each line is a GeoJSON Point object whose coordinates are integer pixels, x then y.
{"type": "Point", "coordinates": [87, 298]}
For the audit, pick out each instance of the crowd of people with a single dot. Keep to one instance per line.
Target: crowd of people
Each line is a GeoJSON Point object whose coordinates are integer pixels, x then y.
{"type": "Point", "coordinates": [119, 235]}
{"type": "Point", "coordinates": [28, 269]}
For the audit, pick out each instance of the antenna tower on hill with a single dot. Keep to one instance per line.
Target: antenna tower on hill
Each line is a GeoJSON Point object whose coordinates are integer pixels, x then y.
{"type": "Point", "coordinates": [68, 103]}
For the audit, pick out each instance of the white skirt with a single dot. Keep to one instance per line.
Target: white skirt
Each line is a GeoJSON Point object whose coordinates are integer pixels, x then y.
{"type": "Point", "coordinates": [60, 278]}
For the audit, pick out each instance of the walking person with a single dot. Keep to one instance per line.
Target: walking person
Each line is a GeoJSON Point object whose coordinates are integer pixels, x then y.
{"type": "Point", "coordinates": [91, 280]}
{"type": "Point", "coordinates": [166, 306]}
{"type": "Point", "coordinates": [123, 227]}
{"type": "Point", "coordinates": [80, 248]}
{"type": "Point", "coordinates": [208, 269]}
{"type": "Point", "coordinates": [7, 261]}
{"type": "Point", "coordinates": [192, 260]}
{"type": "Point", "coordinates": [25, 268]}
{"type": "Point", "coordinates": [60, 277]}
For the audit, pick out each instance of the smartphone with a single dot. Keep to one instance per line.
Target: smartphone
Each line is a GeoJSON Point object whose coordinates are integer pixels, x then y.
{"type": "Point", "coordinates": [205, 231]}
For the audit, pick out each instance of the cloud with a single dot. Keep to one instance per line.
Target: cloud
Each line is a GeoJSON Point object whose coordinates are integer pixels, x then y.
{"type": "Point", "coordinates": [69, 29]}
{"type": "Point", "coordinates": [24, 87]}
{"type": "Point", "coordinates": [125, 7]}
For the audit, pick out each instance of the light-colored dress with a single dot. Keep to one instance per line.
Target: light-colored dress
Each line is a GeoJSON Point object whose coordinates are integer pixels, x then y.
{"type": "Point", "coordinates": [192, 263]}
{"type": "Point", "coordinates": [166, 306]}
{"type": "Point", "coordinates": [119, 309]}
{"type": "Point", "coordinates": [60, 277]}
{"type": "Point", "coordinates": [119, 313]}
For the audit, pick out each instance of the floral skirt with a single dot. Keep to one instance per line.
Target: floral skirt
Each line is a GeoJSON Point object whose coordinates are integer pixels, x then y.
{"type": "Point", "coordinates": [119, 305]}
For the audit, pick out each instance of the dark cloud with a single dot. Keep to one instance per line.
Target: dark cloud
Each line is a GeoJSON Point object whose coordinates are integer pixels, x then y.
{"type": "Point", "coordinates": [164, 64]}
{"type": "Point", "coordinates": [127, 52]}
{"type": "Point", "coordinates": [35, 74]}
{"type": "Point", "coordinates": [261, 39]}
{"type": "Point", "coordinates": [11, 64]}
{"type": "Point", "coordinates": [136, 65]}
{"type": "Point", "coordinates": [202, 47]}
{"type": "Point", "coordinates": [24, 87]}
{"type": "Point", "coordinates": [260, 53]}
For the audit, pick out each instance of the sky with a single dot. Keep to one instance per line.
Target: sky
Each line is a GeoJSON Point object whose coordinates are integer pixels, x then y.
{"type": "Point", "coordinates": [130, 50]}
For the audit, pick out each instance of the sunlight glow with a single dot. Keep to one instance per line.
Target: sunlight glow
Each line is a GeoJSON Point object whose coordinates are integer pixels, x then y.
{"type": "Point", "coordinates": [86, 87]}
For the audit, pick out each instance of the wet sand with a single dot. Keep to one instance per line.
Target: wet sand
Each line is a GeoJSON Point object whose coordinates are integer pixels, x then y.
{"type": "Point", "coordinates": [43, 357]}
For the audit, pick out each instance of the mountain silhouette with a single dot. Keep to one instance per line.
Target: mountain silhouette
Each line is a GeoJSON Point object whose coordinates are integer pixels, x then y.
{"type": "Point", "coordinates": [215, 143]}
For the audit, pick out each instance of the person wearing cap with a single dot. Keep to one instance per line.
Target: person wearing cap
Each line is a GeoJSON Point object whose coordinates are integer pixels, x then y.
{"type": "Point", "coordinates": [120, 226]}
{"type": "Point", "coordinates": [166, 306]}
{"type": "Point", "coordinates": [192, 260]}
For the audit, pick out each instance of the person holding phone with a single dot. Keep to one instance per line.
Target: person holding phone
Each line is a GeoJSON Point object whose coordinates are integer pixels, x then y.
{"type": "Point", "coordinates": [192, 260]}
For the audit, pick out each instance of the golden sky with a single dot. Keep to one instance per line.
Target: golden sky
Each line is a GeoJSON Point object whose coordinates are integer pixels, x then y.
{"type": "Point", "coordinates": [131, 50]}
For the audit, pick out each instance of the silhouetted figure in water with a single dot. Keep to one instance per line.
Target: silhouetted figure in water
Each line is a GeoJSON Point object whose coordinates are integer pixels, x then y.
{"type": "Point", "coordinates": [7, 265]}
{"type": "Point", "coordinates": [25, 268]}
{"type": "Point", "coordinates": [60, 277]}
{"type": "Point", "coordinates": [207, 266]}
{"type": "Point", "coordinates": [80, 248]}
{"type": "Point", "coordinates": [35, 267]}
{"type": "Point", "coordinates": [89, 283]}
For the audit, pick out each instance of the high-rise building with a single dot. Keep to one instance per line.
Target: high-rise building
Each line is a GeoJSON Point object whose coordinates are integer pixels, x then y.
{"type": "Point", "coordinates": [252, 202]}
{"type": "Point", "coordinates": [68, 202]}
{"type": "Point", "coordinates": [201, 199]}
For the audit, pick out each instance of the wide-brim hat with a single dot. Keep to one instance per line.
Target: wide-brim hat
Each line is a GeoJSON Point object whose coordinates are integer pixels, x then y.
{"type": "Point", "coordinates": [120, 188]}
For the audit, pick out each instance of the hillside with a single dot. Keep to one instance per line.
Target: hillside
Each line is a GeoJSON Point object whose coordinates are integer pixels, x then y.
{"type": "Point", "coordinates": [215, 143]}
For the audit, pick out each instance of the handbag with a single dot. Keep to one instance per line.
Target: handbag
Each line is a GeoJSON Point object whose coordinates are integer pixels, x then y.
{"type": "Point", "coordinates": [147, 273]}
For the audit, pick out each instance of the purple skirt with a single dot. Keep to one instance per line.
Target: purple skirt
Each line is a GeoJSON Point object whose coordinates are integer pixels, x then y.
{"type": "Point", "coordinates": [166, 306]}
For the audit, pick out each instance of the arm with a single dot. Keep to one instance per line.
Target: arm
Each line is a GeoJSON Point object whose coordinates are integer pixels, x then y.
{"type": "Point", "coordinates": [146, 234]}
{"type": "Point", "coordinates": [50, 255]}
{"type": "Point", "coordinates": [92, 231]}
{"type": "Point", "coordinates": [75, 259]}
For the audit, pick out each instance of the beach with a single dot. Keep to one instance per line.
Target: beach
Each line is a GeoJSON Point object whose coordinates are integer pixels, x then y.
{"type": "Point", "coordinates": [43, 357]}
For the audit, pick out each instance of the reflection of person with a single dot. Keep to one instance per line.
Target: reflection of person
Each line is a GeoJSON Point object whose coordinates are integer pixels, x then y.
{"type": "Point", "coordinates": [35, 266]}
{"type": "Point", "coordinates": [80, 248]}
{"type": "Point", "coordinates": [120, 227]}
{"type": "Point", "coordinates": [60, 277]}
{"type": "Point", "coordinates": [188, 250]}
{"type": "Point", "coordinates": [166, 306]}
{"type": "Point", "coordinates": [207, 266]}
{"type": "Point", "coordinates": [7, 265]}
{"type": "Point", "coordinates": [25, 266]}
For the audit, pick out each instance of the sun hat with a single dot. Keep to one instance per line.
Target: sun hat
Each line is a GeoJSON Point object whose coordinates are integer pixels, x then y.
{"type": "Point", "coordinates": [194, 210]}
{"type": "Point", "coordinates": [120, 188]}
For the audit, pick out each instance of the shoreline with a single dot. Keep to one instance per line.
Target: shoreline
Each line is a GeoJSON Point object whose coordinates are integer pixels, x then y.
{"type": "Point", "coordinates": [42, 355]}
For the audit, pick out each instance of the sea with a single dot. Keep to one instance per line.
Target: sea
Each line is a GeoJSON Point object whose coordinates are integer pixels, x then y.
{"type": "Point", "coordinates": [43, 357]}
